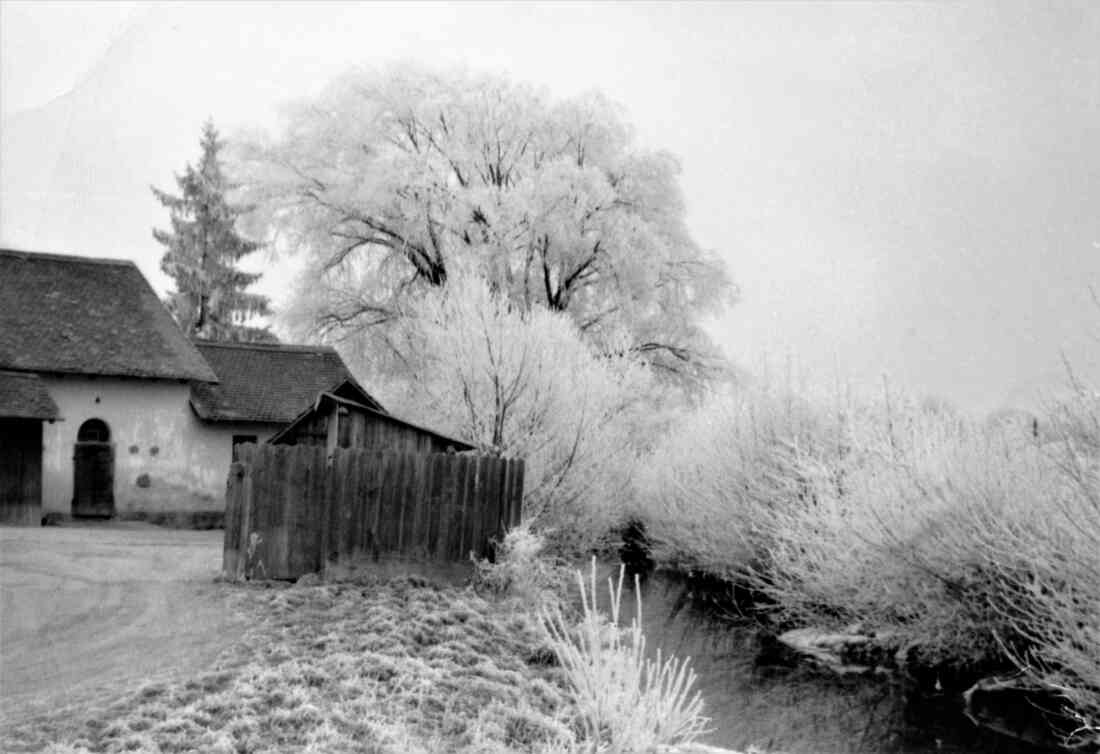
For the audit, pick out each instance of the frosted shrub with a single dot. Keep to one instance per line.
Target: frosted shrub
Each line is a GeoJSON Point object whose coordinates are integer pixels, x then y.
{"type": "Point", "coordinates": [709, 489]}
{"type": "Point", "coordinates": [626, 702]}
{"type": "Point", "coordinates": [1053, 609]}
{"type": "Point", "coordinates": [903, 543]}
{"type": "Point", "coordinates": [968, 543]}
{"type": "Point", "coordinates": [524, 384]}
{"type": "Point", "coordinates": [524, 570]}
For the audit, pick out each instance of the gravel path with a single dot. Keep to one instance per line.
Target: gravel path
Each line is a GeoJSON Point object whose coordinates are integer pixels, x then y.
{"type": "Point", "coordinates": [90, 612]}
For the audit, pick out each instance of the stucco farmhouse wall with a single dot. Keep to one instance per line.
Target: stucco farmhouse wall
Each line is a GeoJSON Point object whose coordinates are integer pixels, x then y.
{"type": "Point", "coordinates": [210, 447]}
{"type": "Point", "coordinates": [166, 460]}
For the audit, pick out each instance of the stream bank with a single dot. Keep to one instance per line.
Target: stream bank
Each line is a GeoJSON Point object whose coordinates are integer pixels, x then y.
{"type": "Point", "coordinates": [759, 694]}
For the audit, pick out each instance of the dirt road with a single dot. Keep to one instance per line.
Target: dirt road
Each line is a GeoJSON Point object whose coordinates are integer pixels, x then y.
{"type": "Point", "coordinates": [91, 612]}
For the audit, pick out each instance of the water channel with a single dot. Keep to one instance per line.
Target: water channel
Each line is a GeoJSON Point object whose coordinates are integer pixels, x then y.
{"type": "Point", "coordinates": [796, 709]}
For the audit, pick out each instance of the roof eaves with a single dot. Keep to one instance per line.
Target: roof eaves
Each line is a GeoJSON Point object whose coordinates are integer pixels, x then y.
{"type": "Point", "coordinates": [314, 406]}
{"type": "Point", "coordinates": [33, 255]}
{"type": "Point", "coordinates": [128, 374]}
{"type": "Point", "coordinates": [283, 347]}
{"type": "Point", "coordinates": [349, 380]}
{"type": "Point", "coordinates": [46, 406]}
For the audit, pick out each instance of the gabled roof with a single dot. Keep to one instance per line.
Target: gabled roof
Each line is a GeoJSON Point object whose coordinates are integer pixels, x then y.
{"type": "Point", "coordinates": [88, 316]}
{"type": "Point", "coordinates": [269, 382]}
{"type": "Point", "coordinates": [24, 396]}
{"type": "Point", "coordinates": [326, 399]}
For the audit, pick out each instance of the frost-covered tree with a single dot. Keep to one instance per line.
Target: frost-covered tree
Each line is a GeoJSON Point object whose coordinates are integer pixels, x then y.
{"type": "Point", "coordinates": [202, 251]}
{"type": "Point", "coordinates": [388, 179]}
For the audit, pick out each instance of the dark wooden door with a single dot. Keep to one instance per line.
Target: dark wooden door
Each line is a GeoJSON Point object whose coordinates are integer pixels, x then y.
{"type": "Point", "coordinates": [20, 471]}
{"type": "Point", "coordinates": [93, 479]}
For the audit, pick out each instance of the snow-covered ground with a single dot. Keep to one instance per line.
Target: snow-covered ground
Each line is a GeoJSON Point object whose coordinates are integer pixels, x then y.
{"type": "Point", "coordinates": [89, 611]}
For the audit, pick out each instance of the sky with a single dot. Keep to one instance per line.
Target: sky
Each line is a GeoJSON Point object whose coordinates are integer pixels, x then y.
{"type": "Point", "coordinates": [903, 192]}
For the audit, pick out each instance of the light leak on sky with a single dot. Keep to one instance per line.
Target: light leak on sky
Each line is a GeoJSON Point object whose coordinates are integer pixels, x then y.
{"type": "Point", "coordinates": [898, 189]}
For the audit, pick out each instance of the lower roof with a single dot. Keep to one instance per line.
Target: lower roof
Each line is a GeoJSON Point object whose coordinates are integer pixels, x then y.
{"type": "Point", "coordinates": [24, 396]}
{"type": "Point", "coordinates": [265, 382]}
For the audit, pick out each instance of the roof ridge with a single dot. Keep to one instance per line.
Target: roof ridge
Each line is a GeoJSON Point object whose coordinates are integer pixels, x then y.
{"type": "Point", "coordinates": [26, 254]}
{"type": "Point", "coordinates": [286, 347]}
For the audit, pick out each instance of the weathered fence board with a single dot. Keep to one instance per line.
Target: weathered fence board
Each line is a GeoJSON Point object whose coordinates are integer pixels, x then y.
{"type": "Point", "coordinates": [292, 510]}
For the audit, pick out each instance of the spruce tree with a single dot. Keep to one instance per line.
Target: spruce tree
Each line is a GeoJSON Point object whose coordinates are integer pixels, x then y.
{"type": "Point", "coordinates": [202, 252]}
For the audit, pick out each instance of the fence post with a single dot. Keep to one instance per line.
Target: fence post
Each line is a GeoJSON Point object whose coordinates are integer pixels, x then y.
{"type": "Point", "coordinates": [373, 503]}
{"type": "Point", "coordinates": [278, 539]}
{"type": "Point", "coordinates": [325, 508]}
{"type": "Point", "coordinates": [244, 540]}
{"type": "Point", "coordinates": [489, 508]}
{"type": "Point", "coordinates": [500, 500]}
{"type": "Point", "coordinates": [448, 469]}
{"type": "Point", "coordinates": [317, 517]}
{"type": "Point", "coordinates": [231, 543]}
{"type": "Point", "coordinates": [516, 506]}
{"type": "Point", "coordinates": [298, 514]}
{"type": "Point", "coordinates": [422, 490]}
{"type": "Point", "coordinates": [457, 494]}
{"type": "Point", "coordinates": [474, 485]}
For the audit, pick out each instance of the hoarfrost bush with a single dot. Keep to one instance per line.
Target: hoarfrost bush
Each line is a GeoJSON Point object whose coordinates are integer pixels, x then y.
{"type": "Point", "coordinates": [524, 383]}
{"type": "Point", "coordinates": [709, 489]}
{"type": "Point", "coordinates": [901, 542]}
{"type": "Point", "coordinates": [524, 570]}
{"type": "Point", "coordinates": [626, 702]}
{"type": "Point", "coordinates": [1053, 611]}
{"type": "Point", "coordinates": [970, 543]}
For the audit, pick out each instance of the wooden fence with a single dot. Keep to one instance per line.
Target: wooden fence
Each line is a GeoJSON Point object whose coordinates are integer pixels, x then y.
{"type": "Point", "coordinates": [292, 510]}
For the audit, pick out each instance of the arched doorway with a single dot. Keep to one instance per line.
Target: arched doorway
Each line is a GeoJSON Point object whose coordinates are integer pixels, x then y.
{"type": "Point", "coordinates": [93, 470]}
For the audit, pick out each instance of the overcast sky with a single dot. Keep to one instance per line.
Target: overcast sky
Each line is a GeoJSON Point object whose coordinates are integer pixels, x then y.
{"type": "Point", "coordinates": [909, 190]}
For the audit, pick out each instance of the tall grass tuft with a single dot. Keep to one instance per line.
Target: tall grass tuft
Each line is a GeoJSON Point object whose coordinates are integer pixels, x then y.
{"type": "Point", "coordinates": [626, 701]}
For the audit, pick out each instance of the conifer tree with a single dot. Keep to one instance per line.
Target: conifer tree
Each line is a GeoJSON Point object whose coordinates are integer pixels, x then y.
{"type": "Point", "coordinates": [202, 251]}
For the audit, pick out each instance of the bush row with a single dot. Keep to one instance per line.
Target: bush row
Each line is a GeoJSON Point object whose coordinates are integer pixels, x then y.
{"type": "Point", "coordinates": [965, 543]}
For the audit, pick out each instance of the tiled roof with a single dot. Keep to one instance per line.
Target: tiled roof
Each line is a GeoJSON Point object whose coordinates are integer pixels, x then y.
{"type": "Point", "coordinates": [24, 396]}
{"type": "Point", "coordinates": [88, 316]}
{"type": "Point", "coordinates": [267, 383]}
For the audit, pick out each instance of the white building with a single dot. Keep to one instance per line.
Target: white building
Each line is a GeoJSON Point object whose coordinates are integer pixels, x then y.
{"type": "Point", "coordinates": [107, 409]}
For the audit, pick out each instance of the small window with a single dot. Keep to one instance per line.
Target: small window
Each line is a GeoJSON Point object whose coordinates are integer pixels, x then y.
{"type": "Point", "coordinates": [93, 430]}
{"type": "Point", "coordinates": [241, 440]}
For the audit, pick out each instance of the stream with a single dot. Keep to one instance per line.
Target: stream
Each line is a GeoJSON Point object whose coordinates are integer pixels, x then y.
{"type": "Point", "coordinates": [799, 710]}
